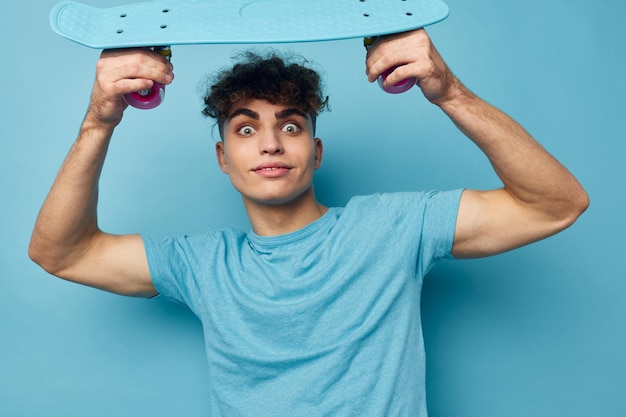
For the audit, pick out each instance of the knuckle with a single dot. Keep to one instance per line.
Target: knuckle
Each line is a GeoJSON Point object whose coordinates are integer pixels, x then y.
{"type": "Point", "coordinates": [134, 67]}
{"type": "Point", "coordinates": [101, 65]}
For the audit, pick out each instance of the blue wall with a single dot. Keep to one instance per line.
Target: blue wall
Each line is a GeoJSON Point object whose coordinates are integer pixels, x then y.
{"type": "Point", "coordinates": [535, 332]}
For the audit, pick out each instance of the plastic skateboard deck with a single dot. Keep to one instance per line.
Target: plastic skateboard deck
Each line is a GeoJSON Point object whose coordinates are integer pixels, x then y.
{"type": "Point", "coordinates": [175, 22]}
{"type": "Point", "coordinates": [162, 23]}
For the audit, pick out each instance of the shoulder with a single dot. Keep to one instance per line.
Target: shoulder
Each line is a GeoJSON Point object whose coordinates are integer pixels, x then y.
{"type": "Point", "coordinates": [414, 200]}
{"type": "Point", "coordinates": [402, 210]}
{"type": "Point", "coordinates": [187, 245]}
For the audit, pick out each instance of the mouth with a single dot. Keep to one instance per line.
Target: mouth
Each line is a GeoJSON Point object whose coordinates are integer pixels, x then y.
{"type": "Point", "coordinates": [272, 170]}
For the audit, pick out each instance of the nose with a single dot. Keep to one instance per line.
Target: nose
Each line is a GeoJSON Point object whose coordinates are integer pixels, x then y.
{"type": "Point", "coordinates": [270, 143]}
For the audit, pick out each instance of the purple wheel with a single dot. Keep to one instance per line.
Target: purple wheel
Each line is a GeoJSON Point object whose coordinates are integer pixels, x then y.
{"type": "Point", "coordinates": [397, 88]}
{"type": "Point", "coordinates": [147, 99]}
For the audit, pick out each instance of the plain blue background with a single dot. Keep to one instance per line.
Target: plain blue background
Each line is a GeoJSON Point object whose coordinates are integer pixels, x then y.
{"type": "Point", "coordinates": [535, 332]}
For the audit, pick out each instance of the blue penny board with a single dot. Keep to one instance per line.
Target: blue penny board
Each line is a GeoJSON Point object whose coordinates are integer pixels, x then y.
{"type": "Point", "coordinates": [176, 22]}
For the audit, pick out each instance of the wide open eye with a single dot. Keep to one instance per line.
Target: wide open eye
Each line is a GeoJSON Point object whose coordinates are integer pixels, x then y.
{"type": "Point", "coordinates": [291, 128]}
{"type": "Point", "coordinates": [246, 130]}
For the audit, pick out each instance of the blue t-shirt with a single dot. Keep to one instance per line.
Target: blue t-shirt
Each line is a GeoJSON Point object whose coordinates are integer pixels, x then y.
{"type": "Point", "coordinates": [324, 321]}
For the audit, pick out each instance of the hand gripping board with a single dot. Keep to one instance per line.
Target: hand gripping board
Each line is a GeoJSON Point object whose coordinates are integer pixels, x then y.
{"type": "Point", "coordinates": [175, 22]}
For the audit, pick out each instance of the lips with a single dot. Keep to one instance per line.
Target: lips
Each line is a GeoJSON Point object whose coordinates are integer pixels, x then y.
{"type": "Point", "coordinates": [272, 170]}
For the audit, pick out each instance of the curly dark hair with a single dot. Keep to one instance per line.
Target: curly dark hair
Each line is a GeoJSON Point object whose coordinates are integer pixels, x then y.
{"type": "Point", "coordinates": [265, 77]}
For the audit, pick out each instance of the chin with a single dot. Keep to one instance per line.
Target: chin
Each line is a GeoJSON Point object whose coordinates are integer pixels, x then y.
{"type": "Point", "coordinates": [280, 199]}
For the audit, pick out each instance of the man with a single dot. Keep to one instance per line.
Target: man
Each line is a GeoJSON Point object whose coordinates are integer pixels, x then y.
{"type": "Point", "coordinates": [316, 310]}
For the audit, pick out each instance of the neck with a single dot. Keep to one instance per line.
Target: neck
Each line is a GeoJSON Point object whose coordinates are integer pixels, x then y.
{"type": "Point", "coordinates": [280, 219]}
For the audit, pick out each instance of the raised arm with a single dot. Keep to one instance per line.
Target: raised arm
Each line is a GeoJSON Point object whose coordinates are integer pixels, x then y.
{"type": "Point", "coordinates": [66, 240]}
{"type": "Point", "coordinates": [539, 196]}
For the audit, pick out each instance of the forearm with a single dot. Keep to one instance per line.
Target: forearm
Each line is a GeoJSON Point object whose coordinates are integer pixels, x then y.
{"type": "Point", "coordinates": [67, 221]}
{"type": "Point", "coordinates": [539, 197]}
{"type": "Point", "coordinates": [532, 177]}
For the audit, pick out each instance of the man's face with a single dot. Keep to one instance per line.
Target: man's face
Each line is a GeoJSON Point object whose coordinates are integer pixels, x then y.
{"type": "Point", "coordinates": [269, 152]}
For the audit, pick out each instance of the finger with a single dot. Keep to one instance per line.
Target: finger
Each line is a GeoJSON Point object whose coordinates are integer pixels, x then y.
{"type": "Point", "coordinates": [116, 65]}
{"type": "Point", "coordinates": [397, 50]}
{"type": "Point", "coordinates": [399, 62]}
{"type": "Point", "coordinates": [126, 86]}
{"type": "Point", "coordinates": [142, 70]}
{"type": "Point", "coordinates": [398, 75]}
{"type": "Point", "coordinates": [388, 52]}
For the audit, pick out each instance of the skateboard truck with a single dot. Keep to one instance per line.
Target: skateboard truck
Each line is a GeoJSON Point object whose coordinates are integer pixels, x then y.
{"type": "Point", "coordinates": [397, 88]}
{"type": "Point", "coordinates": [153, 96]}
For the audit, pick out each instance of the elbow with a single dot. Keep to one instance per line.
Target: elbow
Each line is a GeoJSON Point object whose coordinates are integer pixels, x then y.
{"type": "Point", "coordinates": [37, 255]}
{"type": "Point", "coordinates": [43, 256]}
{"type": "Point", "coordinates": [580, 204]}
{"type": "Point", "coordinates": [562, 211]}
{"type": "Point", "coordinates": [577, 204]}
{"type": "Point", "coordinates": [584, 202]}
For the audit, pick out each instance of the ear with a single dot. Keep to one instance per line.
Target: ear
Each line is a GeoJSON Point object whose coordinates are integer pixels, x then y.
{"type": "Point", "coordinates": [319, 151]}
{"type": "Point", "coordinates": [221, 156]}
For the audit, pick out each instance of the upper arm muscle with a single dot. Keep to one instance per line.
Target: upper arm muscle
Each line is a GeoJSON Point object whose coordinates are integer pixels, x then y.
{"type": "Point", "coordinates": [114, 263]}
{"type": "Point", "coordinates": [491, 222]}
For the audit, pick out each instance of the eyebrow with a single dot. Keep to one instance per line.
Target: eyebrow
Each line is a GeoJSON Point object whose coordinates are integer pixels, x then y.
{"type": "Point", "coordinates": [245, 112]}
{"type": "Point", "coordinates": [283, 114]}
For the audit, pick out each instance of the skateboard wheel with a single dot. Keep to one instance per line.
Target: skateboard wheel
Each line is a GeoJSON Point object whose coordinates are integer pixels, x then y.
{"type": "Point", "coordinates": [147, 99]}
{"type": "Point", "coordinates": [397, 88]}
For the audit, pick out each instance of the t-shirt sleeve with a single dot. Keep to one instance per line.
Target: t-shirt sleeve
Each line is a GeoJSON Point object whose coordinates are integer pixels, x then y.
{"type": "Point", "coordinates": [440, 215]}
{"type": "Point", "coordinates": [172, 267]}
{"type": "Point", "coordinates": [438, 227]}
{"type": "Point", "coordinates": [426, 219]}
{"type": "Point", "coordinates": [416, 226]}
